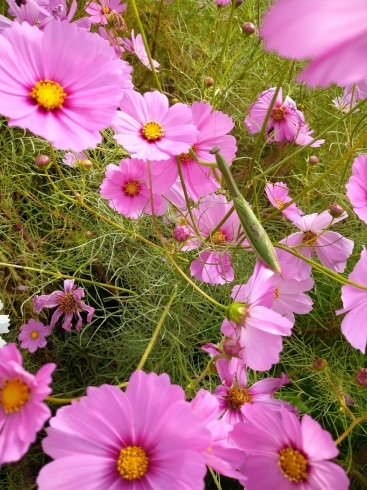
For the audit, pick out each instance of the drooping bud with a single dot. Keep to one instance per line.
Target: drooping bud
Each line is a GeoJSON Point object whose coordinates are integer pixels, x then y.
{"type": "Point", "coordinates": [43, 162]}
{"type": "Point", "coordinates": [319, 364]}
{"type": "Point", "coordinates": [313, 160]}
{"type": "Point", "coordinates": [236, 312]}
{"type": "Point", "coordinates": [214, 150]}
{"type": "Point", "coordinates": [209, 82]}
{"type": "Point", "coordinates": [87, 164]}
{"type": "Point", "coordinates": [248, 28]}
{"type": "Point", "coordinates": [232, 347]}
{"type": "Point", "coordinates": [116, 20]}
{"type": "Point", "coordinates": [348, 401]}
{"type": "Point", "coordinates": [336, 210]}
{"type": "Point", "coordinates": [361, 377]}
{"type": "Point", "coordinates": [181, 233]}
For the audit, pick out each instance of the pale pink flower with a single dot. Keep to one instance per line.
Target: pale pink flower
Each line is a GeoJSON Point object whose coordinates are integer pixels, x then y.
{"type": "Point", "coordinates": [258, 329]}
{"type": "Point", "coordinates": [354, 325]}
{"type": "Point", "coordinates": [330, 32]}
{"type": "Point", "coordinates": [28, 11]}
{"type": "Point", "coordinates": [59, 10]}
{"type": "Point", "coordinates": [22, 411]}
{"type": "Point", "coordinates": [151, 130]}
{"type": "Point", "coordinates": [136, 46]}
{"type": "Point", "coordinates": [33, 335]}
{"type": "Point", "coordinates": [72, 159]}
{"type": "Point", "coordinates": [227, 367]}
{"type": "Point", "coordinates": [304, 137]}
{"type": "Point", "coordinates": [285, 453]}
{"type": "Point", "coordinates": [69, 303]}
{"type": "Point", "coordinates": [332, 249]}
{"type": "Point", "coordinates": [66, 98]}
{"type": "Point", "coordinates": [222, 2]}
{"type": "Point", "coordinates": [127, 188]}
{"type": "Point", "coordinates": [278, 196]}
{"type": "Point", "coordinates": [357, 187]}
{"type": "Point", "coordinates": [101, 9]}
{"type": "Point", "coordinates": [352, 93]}
{"type": "Point", "coordinates": [144, 438]}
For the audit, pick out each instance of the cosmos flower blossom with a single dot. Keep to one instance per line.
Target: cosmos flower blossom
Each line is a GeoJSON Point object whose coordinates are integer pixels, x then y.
{"type": "Point", "coordinates": [332, 249]}
{"type": "Point", "coordinates": [250, 320]}
{"type": "Point", "coordinates": [227, 367]}
{"type": "Point", "coordinates": [357, 187]}
{"type": "Point", "coordinates": [355, 306]}
{"type": "Point", "coordinates": [33, 335]}
{"type": "Point", "coordinates": [136, 46]}
{"type": "Point", "coordinates": [351, 94]}
{"type": "Point", "coordinates": [74, 159]}
{"type": "Point", "coordinates": [66, 98]}
{"type": "Point", "coordinates": [133, 439]}
{"type": "Point", "coordinates": [127, 188]}
{"type": "Point", "coordinates": [278, 196]}
{"type": "Point", "coordinates": [59, 10]}
{"type": "Point", "coordinates": [4, 325]}
{"type": "Point", "coordinates": [100, 10]}
{"type": "Point", "coordinates": [28, 11]}
{"type": "Point", "coordinates": [286, 453]}
{"type": "Point", "coordinates": [337, 45]}
{"type": "Point", "coordinates": [68, 302]}
{"type": "Point", "coordinates": [151, 130]}
{"type": "Point", "coordinates": [22, 411]}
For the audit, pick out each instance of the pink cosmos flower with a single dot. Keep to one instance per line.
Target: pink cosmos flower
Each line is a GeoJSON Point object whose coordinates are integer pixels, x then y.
{"type": "Point", "coordinates": [227, 367]}
{"type": "Point", "coordinates": [151, 130]}
{"type": "Point", "coordinates": [136, 46]}
{"type": "Point", "coordinates": [114, 41]}
{"type": "Point", "coordinates": [28, 11]}
{"type": "Point", "coordinates": [351, 94]}
{"type": "Point", "coordinates": [354, 325]}
{"type": "Point", "coordinates": [332, 249]}
{"type": "Point", "coordinates": [285, 453]}
{"type": "Point", "coordinates": [305, 136]}
{"type": "Point", "coordinates": [100, 11]}
{"type": "Point", "coordinates": [126, 187]}
{"type": "Point", "coordinates": [133, 440]}
{"type": "Point", "coordinates": [278, 196]}
{"type": "Point", "coordinates": [337, 45]}
{"type": "Point", "coordinates": [65, 98]}
{"type": "Point", "coordinates": [73, 159]}
{"type": "Point", "coordinates": [60, 11]}
{"type": "Point", "coordinates": [251, 321]}
{"type": "Point", "coordinates": [69, 303]}
{"type": "Point", "coordinates": [22, 413]}
{"type": "Point", "coordinates": [33, 335]}
{"type": "Point", "coordinates": [357, 187]}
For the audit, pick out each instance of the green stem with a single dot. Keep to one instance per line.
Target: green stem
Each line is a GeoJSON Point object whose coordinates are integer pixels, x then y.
{"type": "Point", "coordinates": [338, 395]}
{"type": "Point", "coordinates": [245, 70]}
{"type": "Point", "coordinates": [193, 220]}
{"type": "Point", "coordinates": [355, 422]}
{"type": "Point", "coordinates": [60, 401]}
{"type": "Point", "coordinates": [216, 481]}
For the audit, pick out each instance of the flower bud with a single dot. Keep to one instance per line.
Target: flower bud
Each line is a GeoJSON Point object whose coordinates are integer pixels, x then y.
{"type": "Point", "coordinates": [348, 401]}
{"type": "Point", "coordinates": [88, 234]}
{"type": "Point", "coordinates": [313, 160]}
{"type": "Point", "coordinates": [181, 233]}
{"type": "Point", "coordinates": [236, 312]}
{"type": "Point", "coordinates": [239, 3]}
{"type": "Point", "coordinates": [209, 82]}
{"type": "Point", "coordinates": [43, 162]}
{"type": "Point", "coordinates": [235, 18]}
{"type": "Point", "coordinates": [87, 164]}
{"type": "Point", "coordinates": [232, 347]}
{"type": "Point", "coordinates": [361, 377]}
{"type": "Point", "coordinates": [214, 150]}
{"type": "Point", "coordinates": [248, 28]}
{"type": "Point", "coordinates": [319, 364]}
{"type": "Point", "coordinates": [336, 210]}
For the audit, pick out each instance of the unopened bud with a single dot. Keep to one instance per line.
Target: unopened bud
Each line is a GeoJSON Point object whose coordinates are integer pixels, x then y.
{"type": "Point", "coordinates": [313, 160]}
{"type": "Point", "coordinates": [236, 312]}
{"type": "Point", "coordinates": [181, 233]}
{"type": "Point", "coordinates": [361, 377]}
{"type": "Point", "coordinates": [209, 82]}
{"type": "Point", "coordinates": [348, 401]}
{"type": "Point", "coordinates": [214, 150]}
{"type": "Point", "coordinates": [117, 21]}
{"type": "Point", "coordinates": [248, 28]}
{"type": "Point", "coordinates": [239, 3]}
{"type": "Point", "coordinates": [235, 18]}
{"type": "Point", "coordinates": [232, 347]}
{"type": "Point", "coordinates": [87, 164]}
{"type": "Point", "coordinates": [42, 161]}
{"type": "Point", "coordinates": [336, 210]}
{"type": "Point", "coordinates": [88, 234]}
{"type": "Point", "coordinates": [319, 364]}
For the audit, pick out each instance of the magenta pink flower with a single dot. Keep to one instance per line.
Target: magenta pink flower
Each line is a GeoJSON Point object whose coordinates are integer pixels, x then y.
{"type": "Point", "coordinates": [28, 11]}
{"type": "Point", "coordinates": [305, 136]}
{"type": "Point", "coordinates": [69, 303]}
{"type": "Point", "coordinates": [101, 9]}
{"type": "Point", "coordinates": [151, 130]}
{"type": "Point", "coordinates": [251, 321]}
{"type": "Point", "coordinates": [227, 367]}
{"type": "Point", "coordinates": [278, 196]}
{"type": "Point", "coordinates": [66, 98]}
{"type": "Point", "coordinates": [136, 46]}
{"type": "Point", "coordinates": [332, 249]}
{"type": "Point", "coordinates": [126, 188]}
{"type": "Point", "coordinates": [22, 413]}
{"type": "Point", "coordinates": [33, 335]}
{"type": "Point", "coordinates": [354, 325]}
{"type": "Point", "coordinates": [59, 10]}
{"type": "Point", "coordinates": [337, 45]}
{"type": "Point", "coordinates": [285, 453]}
{"type": "Point", "coordinates": [357, 187]}
{"type": "Point", "coordinates": [133, 440]}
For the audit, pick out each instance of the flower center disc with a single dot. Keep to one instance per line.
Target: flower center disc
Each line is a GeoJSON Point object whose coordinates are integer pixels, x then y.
{"type": "Point", "coordinates": [132, 463]}
{"type": "Point", "coordinates": [309, 238]}
{"type": "Point", "coordinates": [276, 293]}
{"type": "Point", "coordinates": [237, 397]}
{"type": "Point", "coordinates": [218, 238]}
{"type": "Point", "coordinates": [186, 157]}
{"type": "Point", "coordinates": [34, 335]}
{"type": "Point", "coordinates": [152, 130]}
{"type": "Point", "coordinates": [278, 114]}
{"type": "Point", "coordinates": [48, 94]}
{"type": "Point", "coordinates": [67, 303]}
{"type": "Point", "coordinates": [280, 203]}
{"type": "Point", "coordinates": [293, 464]}
{"type": "Point", "coordinates": [13, 395]}
{"type": "Point", "coordinates": [106, 10]}
{"type": "Point", "coordinates": [132, 188]}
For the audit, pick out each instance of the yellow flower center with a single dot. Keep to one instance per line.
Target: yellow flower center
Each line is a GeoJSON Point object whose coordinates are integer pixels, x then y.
{"type": "Point", "coordinates": [106, 10]}
{"type": "Point", "coordinates": [186, 157]}
{"type": "Point", "coordinates": [276, 293]}
{"type": "Point", "coordinates": [48, 94]}
{"type": "Point", "coordinates": [278, 114]}
{"type": "Point", "coordinates": [132, 463]}
{"type": "Point", "coordinates": [13, 395]}
{"type": "Point", "coordinates": [34, 335]}
{"type": "Point", "coordinates": [280, 203]}
{"type": "Point", "coordinates": [309, 238]}
{"type": "Point", "coordinates": [67, 303]}
{"type": "Point", "coordinates": [218, 238]}
{"type": "Point", "coordinates": [237, 397]}
{"type": "Point", "coordinates": [152, 131]}
{"type": "Point", "coordinates": [132, 188]}
{"type": "Point", "coordinates": [293, 464]}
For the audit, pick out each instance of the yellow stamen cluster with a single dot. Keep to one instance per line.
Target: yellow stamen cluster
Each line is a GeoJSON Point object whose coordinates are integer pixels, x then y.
{"type": "Point", "coordinates": [34, 335]}
{"type": "Point", "coordinates": [48, 94]}
{"type": "Point", "coordinates": [152, 131]}
{"type": "Point", "coordinates": [237, 397]}
{"type": "Point", "coordinates": [132, 463]}
{"type": "Point", "coordinates": [309, 238]}
{"type": "Point", "coordinates": [13, 395]}
{"type": "Point", "coordinates": [218, 238]}
{"type": "Point", "coordinates": [106, 10]}
{"type": "Point", "coordinates": [132, 188]}
{"type": "Point", "coordinates": [278, 114]}
{"type": "Point", "coordinates": [280, 203]}
{"type": "Point", "coordinates": [293, 464]}
{"type": "Point", "coordinates": [186, 157]}
{"type": "Point", "coordinates": [276, 293]}
{"type": "Point", "coordinates": [67, 303]}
